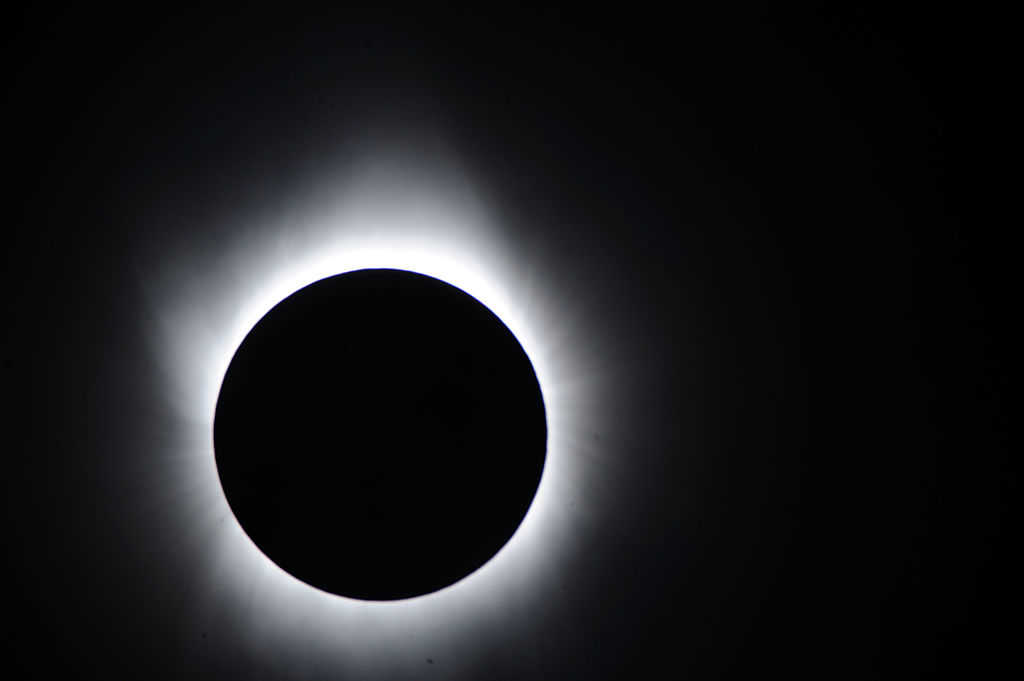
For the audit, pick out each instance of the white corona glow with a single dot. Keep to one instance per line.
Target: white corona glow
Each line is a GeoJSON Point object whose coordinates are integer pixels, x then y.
{"type": "Point", "coordinates": [380, 216]}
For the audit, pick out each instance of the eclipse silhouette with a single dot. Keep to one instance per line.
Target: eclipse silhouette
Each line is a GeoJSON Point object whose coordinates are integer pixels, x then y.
{"type": "Point", "coordinates": [380, 434]}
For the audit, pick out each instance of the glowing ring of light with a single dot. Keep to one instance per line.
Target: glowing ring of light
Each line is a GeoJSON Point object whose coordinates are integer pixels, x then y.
{"type": "Point", "coordinates": [439, 233]}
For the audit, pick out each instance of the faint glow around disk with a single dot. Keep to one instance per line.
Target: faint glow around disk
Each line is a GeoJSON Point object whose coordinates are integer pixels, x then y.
{"type": "Point", "coordinates": [212, 297]}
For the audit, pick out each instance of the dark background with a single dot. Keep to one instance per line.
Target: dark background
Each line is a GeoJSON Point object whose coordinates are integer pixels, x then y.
{"type": "Point", "coordinates": [796, 183]}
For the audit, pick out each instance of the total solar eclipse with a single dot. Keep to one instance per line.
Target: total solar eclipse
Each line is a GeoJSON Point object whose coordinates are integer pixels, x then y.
{"type": "Point", "coordinates": [380, 434]}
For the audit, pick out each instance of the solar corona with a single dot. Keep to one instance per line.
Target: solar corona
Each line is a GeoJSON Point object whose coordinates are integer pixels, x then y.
{"type": "Point", "coordinates": [460, 431]}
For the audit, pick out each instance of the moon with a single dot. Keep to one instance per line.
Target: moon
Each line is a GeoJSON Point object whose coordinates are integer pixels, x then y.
{"type": "Point", "coordinates": [380, 434]}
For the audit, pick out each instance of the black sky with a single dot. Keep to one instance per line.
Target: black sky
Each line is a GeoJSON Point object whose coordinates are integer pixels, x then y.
{"type": "Point", "coordinates": [768, 213]}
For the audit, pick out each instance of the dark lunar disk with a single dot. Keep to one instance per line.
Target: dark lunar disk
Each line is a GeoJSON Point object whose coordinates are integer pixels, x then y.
{"type": "Point", "coordinates": [380, 434]}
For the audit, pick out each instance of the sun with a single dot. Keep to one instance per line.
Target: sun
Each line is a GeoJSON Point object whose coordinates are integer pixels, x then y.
{"type": "Point", "coordinates": [210, 295]}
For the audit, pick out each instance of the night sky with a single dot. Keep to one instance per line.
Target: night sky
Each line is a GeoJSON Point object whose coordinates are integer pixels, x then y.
{"type": "Point", "coordinates": [739, 249]}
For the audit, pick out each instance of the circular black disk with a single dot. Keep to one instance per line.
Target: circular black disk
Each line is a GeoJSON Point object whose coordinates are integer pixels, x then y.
{"type": "Point", "coordinates": [380, 434]}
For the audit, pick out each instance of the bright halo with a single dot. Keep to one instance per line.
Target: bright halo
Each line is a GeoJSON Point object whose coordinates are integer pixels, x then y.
{"type": "Point", "coordinates": [209, 299]}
